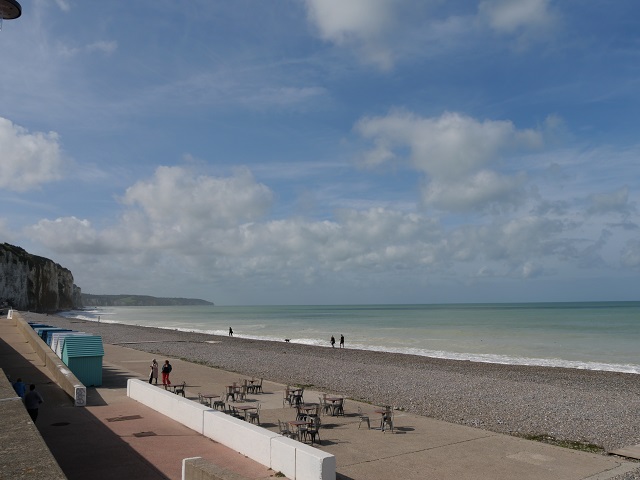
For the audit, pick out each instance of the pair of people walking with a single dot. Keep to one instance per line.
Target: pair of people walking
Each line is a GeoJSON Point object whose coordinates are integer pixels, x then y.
{"type": "Point", "coordinates": [32, 399]}
{"type": "Point", "coordinates": [333, 341]}
{"type": "Point", "coordinates": [166, 370]}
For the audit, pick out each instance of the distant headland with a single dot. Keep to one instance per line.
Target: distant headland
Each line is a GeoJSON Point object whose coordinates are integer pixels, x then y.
{"type": "Point", "coordinates": [90, 300]}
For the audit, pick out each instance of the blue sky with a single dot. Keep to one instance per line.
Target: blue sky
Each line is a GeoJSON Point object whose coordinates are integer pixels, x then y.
{"type": "Point", "coordinates": [326, 152]}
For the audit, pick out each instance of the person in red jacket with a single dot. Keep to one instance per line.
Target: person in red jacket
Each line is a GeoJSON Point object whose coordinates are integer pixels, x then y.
{"type": "Point", "coordinates": [166, 370]}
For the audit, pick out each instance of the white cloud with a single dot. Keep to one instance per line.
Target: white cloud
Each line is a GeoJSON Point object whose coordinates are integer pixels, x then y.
{"type": "Point", "coordinates": [611, 202]}
{"type": "Point", "coordinates": [67, 235]}
{"type": "Point", "coordinates": [454, 151]}
{"type": "Point", "coordinates": [630, 256]}
{"type": "Point", "coordinates": [103, 46]}
{"type": "Point", "coordinates": [531, 236]}
{"type": "Point", "coordinates": [450, 146]}
{"type": "Point", "coordinates": [281, 95]}
{"type": "Point", "coordinates": [476, 192]}
{"type": "Point", "coordinates": [175, 196]}
{"type": "Point", "coordinates": [384, 32]}
{"type": "Point", "coordinates": [338, 21]}
{"type": "Point", "coordinates": [529, 20]}
{"type": "Point", "coordinates": [531, 269]}
{"type": "Point", "coordinates": [175, 209]}
{"type": "Point", "coordinates": [213, 229]}
{"type": "Point", "coordinates": [106, 47]}
{"type": "Point", "coordinates": [358, 23]}
{"type": "Point", "coordinates": [28, 159]}
{"type": "Point", "coordinates": [63, 5]}
{"type": "Point", "coordinates": [510, 15]}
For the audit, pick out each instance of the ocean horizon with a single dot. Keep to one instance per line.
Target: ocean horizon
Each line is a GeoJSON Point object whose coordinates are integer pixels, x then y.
{"type": "Point", "coordinates": [586, 335]}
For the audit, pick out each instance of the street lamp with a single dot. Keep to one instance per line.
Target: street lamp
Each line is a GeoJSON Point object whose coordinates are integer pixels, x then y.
{"type": "Point", "coordinates": [9, 9]}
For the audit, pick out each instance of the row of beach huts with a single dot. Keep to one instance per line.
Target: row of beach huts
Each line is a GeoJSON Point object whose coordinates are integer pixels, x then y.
{"type": "Point", "coordinates": [81, 352]}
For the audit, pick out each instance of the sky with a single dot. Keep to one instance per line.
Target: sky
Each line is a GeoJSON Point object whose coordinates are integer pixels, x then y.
{"type": "Point", "coordinates": [326, 151]}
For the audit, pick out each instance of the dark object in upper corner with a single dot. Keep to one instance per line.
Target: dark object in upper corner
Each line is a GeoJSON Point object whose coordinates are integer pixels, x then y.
{"type": "Point", "coordinates": [10, 9]}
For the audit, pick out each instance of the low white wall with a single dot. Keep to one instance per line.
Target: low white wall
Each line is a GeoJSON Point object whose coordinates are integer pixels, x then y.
{"type": "Point", "coordinates": [299, 461]}
{"type": "Point", "coordinates": [294, 459]}
{"type": "Point", "coordinates": [188, 413]}
{"type": "Point", "coordinates": [283, 456]}
{"type": "Point", "coordinates": [245, 438]}
{"type": "Point", "coordinates": [314, 464]}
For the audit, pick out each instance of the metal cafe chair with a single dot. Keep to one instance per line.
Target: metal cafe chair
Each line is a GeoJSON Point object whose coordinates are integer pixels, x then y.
{"type": "Point", "coordinates": [387, 419]}
{"type": "Point", "coordinates": [363, 418]}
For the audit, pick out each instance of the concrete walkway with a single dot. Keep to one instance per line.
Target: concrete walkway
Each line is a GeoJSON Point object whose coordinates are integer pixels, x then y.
{"type": "Point", "coordinates": [153, 446]}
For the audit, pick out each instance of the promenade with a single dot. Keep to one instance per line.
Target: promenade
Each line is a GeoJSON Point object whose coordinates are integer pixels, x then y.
{"type": "Point", "coordinates": [116, 437]}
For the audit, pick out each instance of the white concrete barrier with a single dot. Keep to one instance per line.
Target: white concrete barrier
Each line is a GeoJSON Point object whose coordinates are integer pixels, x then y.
{"type": "Point", "coordinates": [243, 437]}
{"type": "Point", "coordinates": [192, 414]}
{"type": "Point", "coordinates": [294, 459]}
{"type": "Point", "coordinates": [283, 456]}
{"type": "Point", "coordinates": [188, 413]}
{"type": "Point", "coordinates": [314, 464]}
{"type": "Point", "coordinates": [154, 397]}
{"type": "Point", "coordinates": [299, 461]}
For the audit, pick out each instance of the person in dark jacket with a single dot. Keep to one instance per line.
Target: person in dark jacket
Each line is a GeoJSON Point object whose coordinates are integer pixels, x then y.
{"type": "Point", "coordinates": [32, 401]}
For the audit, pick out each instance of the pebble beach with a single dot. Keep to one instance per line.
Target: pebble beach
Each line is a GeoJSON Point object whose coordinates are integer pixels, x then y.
{"type": "Point", "coordinates": [591, 407]}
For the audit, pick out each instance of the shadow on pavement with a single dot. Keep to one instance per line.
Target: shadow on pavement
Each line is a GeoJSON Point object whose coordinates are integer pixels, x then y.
{"type": "Point", "coordinates": [81, 444]}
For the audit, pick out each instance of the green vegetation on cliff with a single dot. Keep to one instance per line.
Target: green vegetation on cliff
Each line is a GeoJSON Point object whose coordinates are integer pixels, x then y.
{"type": "Point", "coordinates": [89, 300]}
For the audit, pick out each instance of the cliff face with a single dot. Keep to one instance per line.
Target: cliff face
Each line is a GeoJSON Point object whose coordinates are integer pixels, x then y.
{"type": "Point", "coordinates": [29, 282]}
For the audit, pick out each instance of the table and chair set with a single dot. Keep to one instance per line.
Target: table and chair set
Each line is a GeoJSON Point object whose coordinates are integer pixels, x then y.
{"type": "Point", "coordinates": [386, 418]}
{"type": "Point", "coordinates": [332, 405]}
{"type": "Point", "coordinates": [306, 425]}
{"type": "Point", "coordinates": [177, 388]}
{"type": "Point", "coordinates": [237, 392]}
{"type": "Point", "coordinates": [293, 396]}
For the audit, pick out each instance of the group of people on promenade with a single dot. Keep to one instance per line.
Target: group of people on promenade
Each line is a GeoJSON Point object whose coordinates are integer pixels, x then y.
{"type": "Point", "coordinates": [32, 399]}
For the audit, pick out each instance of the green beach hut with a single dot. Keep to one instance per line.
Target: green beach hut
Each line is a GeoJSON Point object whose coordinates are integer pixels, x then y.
{"type": "Point", "coordinates": [83, 355]}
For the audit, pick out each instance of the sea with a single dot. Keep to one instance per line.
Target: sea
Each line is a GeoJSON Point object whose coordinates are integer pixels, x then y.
{"type": "Point", "coordinates": [585, 335]}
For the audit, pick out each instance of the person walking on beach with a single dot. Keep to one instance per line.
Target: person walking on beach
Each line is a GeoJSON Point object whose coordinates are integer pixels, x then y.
{"type": "Point", "coordinates": [333, 342]}
{"type": "Point", "coordinates": [32, 401]}
{"type": "Point", "coordinates": [166, 370]}
{"type": "Point", "coordinates": [153, 375]}
{"type": "Point", "coordinates": [230, 332]}
{"type": "Point", "coordinates": [341, 341]}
